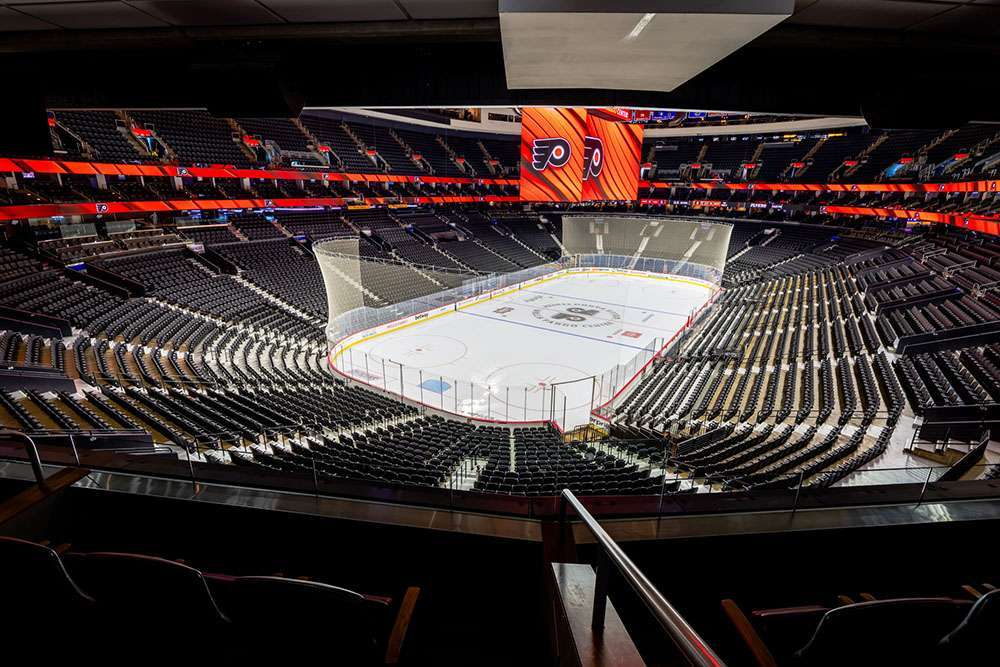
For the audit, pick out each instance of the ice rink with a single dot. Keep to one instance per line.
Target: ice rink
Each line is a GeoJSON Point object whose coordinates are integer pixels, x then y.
{"type": "Point", "coordinates": [528, 354]}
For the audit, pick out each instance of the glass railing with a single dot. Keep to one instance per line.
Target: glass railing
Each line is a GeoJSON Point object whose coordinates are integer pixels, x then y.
{"type": "Point", "coordinates": [287, 463]}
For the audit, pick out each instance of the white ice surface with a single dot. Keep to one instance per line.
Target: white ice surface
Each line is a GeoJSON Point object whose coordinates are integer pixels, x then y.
{"type": "Point", "coordinates": [500, 358]}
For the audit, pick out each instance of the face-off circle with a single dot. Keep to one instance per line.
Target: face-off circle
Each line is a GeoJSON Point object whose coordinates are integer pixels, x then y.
{"type": "Point", "coordinates": [421, 351]}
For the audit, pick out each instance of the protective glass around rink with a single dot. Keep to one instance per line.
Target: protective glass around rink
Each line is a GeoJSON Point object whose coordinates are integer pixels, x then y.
{"type": "Point", "coordinates": [556, 342]}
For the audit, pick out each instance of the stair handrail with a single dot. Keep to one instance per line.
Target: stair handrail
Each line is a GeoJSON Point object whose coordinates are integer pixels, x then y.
{"type": "Point", "coordinates": [692, 647]}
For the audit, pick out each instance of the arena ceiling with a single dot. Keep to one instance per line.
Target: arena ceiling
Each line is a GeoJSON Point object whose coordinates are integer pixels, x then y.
{"type": "Point", "coordinates": [902, 62]}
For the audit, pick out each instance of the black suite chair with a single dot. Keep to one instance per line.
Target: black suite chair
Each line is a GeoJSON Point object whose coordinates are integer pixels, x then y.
{"type": "Point", "coordinates": [903, 631]}
{"type": "Point", "coordinates": [139, 591]}
{"type": "Point", "coordinates": [350, 628]}
{"type": "Point", "coordinates": [975, 635]}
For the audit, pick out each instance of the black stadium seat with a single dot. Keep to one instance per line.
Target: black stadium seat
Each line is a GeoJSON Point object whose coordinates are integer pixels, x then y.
{"type": "Point", "coordinates": [140, 591]}
{"type": "Point", "coordinates": [37, 588]}
{"type": "Point", "coordinates": [324, 619]}
{"type": "Point", "coordinates": [902, 631]}
{"type": "Point", "coordinates": [966, 644]}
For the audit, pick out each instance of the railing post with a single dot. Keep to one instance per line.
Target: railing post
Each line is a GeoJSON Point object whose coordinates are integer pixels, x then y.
{"type": "Point", "coordinates": [312, 456]}
{"type": "Point", "coordinates": [923, 489]}
{"type": "Point", "coordinates": [600, 593]}
{"type": "Point", "coordinates": [191, 465]}
{"type": "Point", "coordinates": [72, 444]}
{"type": "Point", "coordinates": [663, 481]}
{"type": "Point", "coordinates": [798, 489]}
{"type": "Point", "coordinates": [33, 457]}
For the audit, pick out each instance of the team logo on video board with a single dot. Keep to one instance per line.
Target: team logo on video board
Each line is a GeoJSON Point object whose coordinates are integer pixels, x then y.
{"type": "Point", "coordinates": [593, 157]}
{"type": "Point", "coordinates": [576, 315]}
{"type": "Point", "coordinates": [551, 151]}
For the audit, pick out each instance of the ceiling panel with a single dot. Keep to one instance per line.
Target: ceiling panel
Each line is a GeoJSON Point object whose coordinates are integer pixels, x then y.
{"type": "Point", "coordinates": [208, 12]}
{"type": "Point", "coordinates": [313, 11]}
{"type": "Point", "coordinates": [874, 14]}
{"type": "Point", "coordinates": [41, 2]}
{"type": "Point", "coordinates": [450, 9]}
{"type": "Point", "coordinates": [621, 51]}
{"type": "Point", "coordinates": [12, 20]}
{"type": "Point", "coordinates": [91, 15]}
{"type": "Point", "coordinates": [973, 20]}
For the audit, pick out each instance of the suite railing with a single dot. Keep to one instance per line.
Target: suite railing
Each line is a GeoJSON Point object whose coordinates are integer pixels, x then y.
{"type": "Point", "coordinates": [691, 646]}
{"type": "Point", "coordinates": [677, 491]}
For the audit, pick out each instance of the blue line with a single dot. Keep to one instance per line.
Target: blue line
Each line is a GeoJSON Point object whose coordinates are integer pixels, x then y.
{"type": "Point", "coordinates": [565, 333]}
{"type": "Point", "coordinates": [606, 303]}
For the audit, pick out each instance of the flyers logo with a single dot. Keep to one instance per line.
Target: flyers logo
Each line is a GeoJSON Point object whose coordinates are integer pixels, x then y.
{"type": "Point", "coordinates": [182, 171]}
{"type": "Point", "coordinates": [101, 208]}
{"type": "Point", "coordinates": [593, 157]}
{"type": "Point", "coordinates": [554, 151]}
{"type": "Point", "coordinates": [268, 203]}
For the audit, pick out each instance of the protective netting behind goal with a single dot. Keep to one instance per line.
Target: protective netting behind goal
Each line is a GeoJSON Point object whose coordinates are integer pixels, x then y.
{"type": "Point", "coordinates": [679, 242]}
{"type": "Point", "coordinates": [363, 292]}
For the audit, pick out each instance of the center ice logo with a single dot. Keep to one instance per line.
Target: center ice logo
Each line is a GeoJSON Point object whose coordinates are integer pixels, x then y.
{"type": "Point", "coordinates": [575, 315]}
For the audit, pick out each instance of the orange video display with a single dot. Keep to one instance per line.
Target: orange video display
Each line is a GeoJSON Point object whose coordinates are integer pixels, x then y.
{"type": "Point", "coordinates": [572, 155]}
{"type": "Point", "coordinates": [612, 150]}
{"type": "Point", "coordinates": [552, 154]}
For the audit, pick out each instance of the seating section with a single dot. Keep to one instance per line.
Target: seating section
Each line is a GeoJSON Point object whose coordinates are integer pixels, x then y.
{"type": "Point", "coordinates": [14, 264]}
{"type": "Point", "coordinates": [500, 240]}
{"type": "Point", "coordinates": [332, 132]}
{"type": "Point", "coordinates": [283, 269]}
{"type": "Point", "coordinates": [196, 137]}
{"type": "Point", "coordinates": [373, 146]}
{"type": "Point", "coordinates": [388, 147]}
{"type": "Point", "coordinates": [968, 376]}
{"type": "Point", "coordinates": [209, 234]}
{"type": "Point", "coordinates": [86, 592]}
{"type": "Point", "coordinates": [867, 629]}
{"type": "Point", "coordinates": [794, 376]}
{"type": "Point", "coordinates": [539, 463]}
{"type": "Point", "coordinates": [785, 381]}
{"type": "Point", "coordinates": [104, 133]}
{"type": "Point", "coordinates": [281, 131]}
{"type": "Point", "coordinates": [255, 226]}
{"type": "Point", "coordinates": [844, 154]}
{"type": "Point", "coordinates": [427, 145]}
{"type": "Point", "coordinates": [318, 226]}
